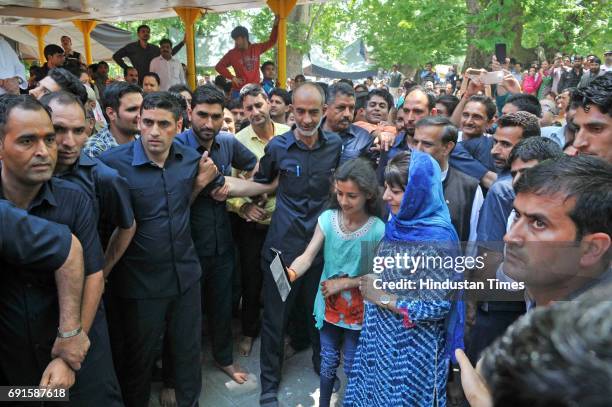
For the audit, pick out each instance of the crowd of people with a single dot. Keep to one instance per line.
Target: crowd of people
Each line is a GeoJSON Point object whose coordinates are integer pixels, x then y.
{"type": "Point", "coordinates": [130, 208]}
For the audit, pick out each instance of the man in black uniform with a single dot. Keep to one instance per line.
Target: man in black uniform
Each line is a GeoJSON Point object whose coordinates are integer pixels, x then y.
{"type": "Point", "coordinates": [28, 300]}
{"type": "Point", "coordinates": [39, 245]}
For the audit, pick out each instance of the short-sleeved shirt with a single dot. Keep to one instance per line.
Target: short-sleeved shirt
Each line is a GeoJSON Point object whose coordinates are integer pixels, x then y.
{"type": "Point", "coordinates": [108, 190]}
{"type": "Point", "coordinates": [28, 298]}
{"type": "Point", "coordinates": [494, 213]}
{"type": "Point", "coordinates": [303, 189]}
{"type": "Point", "coordinates": [251, 140]}
{"type": "Point", "coordinates": [30, 241]}
{"type": "Point", "coordinates": [160, 261]}
{"type": "Point", "coordinates": [210, 224]}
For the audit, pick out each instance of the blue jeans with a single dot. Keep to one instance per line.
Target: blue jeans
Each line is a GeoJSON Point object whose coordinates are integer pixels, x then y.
{"type": "Point", "coordinates": [331, 338]}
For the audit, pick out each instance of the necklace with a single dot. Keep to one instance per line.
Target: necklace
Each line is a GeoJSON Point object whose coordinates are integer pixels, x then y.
{"type": "Point", "coordinates": [346, 229]}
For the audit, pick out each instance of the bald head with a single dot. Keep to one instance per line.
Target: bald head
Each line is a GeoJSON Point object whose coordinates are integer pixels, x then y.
{"type": "Point", "coordinates": [308, 107]}
{"type": "Point", "coordinates": [309, 90]}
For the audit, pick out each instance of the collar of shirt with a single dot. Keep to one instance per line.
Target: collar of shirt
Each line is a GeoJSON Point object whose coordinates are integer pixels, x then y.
{"type": "Point", "coordinates": [291, 139]}
{"type": "Point", "coordinates": [45, 194]}
{"type": "Point", "coordinates": [444, 174]}
{"type": "Point", "coordinates": [85, 160]}
{"type": "Point", "coordinates": [192, 141]}
{"type": "Point", "coordinates": [140, 157]}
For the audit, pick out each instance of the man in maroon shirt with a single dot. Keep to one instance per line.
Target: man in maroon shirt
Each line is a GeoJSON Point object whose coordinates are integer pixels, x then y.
{"type": "Point", "coordinates": [244, 58]}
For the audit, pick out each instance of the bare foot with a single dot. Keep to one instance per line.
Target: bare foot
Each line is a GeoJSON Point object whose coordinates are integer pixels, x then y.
{"type": "Point", "coordinates": [167, 397]}
{"type": "Point", "coordinates": [245, 346]}
{"type": "Point", "coordinates": [235, 373]}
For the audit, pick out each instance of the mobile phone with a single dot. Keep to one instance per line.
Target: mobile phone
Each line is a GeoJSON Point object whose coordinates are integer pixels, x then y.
{"type": "Point", "coordinates": [280, 256]}
{"type": "Point", "coordinates": [493, 78]}
{"type": "Point", "coordinates": [500, 53]}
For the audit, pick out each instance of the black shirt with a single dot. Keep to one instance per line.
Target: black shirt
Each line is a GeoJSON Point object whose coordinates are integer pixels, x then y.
{"type": "Point", "coordinates": [210, 224]}
{"type": "Point", "coordinates": [161, 260]}
{"type": "Point", "coordinates": [140, 57]}
{"type": "Point", "coordinates": [30, 241]}
{"type": "Point", "coordinates": [105, 187]}
{"type": "Point", "coordinates": [29, 314]}
{"type": "Point", "coordinates": [356, 142]}
{"type": "Point", "coordinates": [303, 189]}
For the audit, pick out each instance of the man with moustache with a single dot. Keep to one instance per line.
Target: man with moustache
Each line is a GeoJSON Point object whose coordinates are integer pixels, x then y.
{"type": "Point", "coordinates": [304, 159]}
{"type": "Point", "coordinates": [210, 223]}
{"type": "Point", "coordinates": [121, 105]}
{"type": "Point", "coordinates": [356, 142]}
{"type": "Point", "coordinates": [28, 300]}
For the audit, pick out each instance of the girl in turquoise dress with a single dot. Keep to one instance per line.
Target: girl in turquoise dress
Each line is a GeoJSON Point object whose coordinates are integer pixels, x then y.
{"type": "Point", "coordinates": [348, 232]}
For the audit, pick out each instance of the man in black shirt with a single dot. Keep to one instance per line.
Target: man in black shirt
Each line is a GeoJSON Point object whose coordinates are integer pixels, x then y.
{"type": "Point", "coordinates": [571, 79]}
{"type": "Point", "coordinates": [141, 52]}
{"type": "Point", "coordinates": [28, 301]}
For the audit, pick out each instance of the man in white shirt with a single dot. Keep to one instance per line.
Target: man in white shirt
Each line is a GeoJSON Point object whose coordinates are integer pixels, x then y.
{"type": "Point", "coordinates": [169, 69]}
{"type": "Point", "coordinates": [12, 71]}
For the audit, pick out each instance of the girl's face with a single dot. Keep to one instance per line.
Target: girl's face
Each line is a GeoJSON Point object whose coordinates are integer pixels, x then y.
{"type": "Point", "coordinates": [393, 196]}
{"type": "Point", "coordinates": [350, 198]}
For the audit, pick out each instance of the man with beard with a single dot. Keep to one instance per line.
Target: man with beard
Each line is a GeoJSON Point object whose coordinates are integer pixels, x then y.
{"type": "Point", "coordinates": [279, 105]}
{"type": "Point", "coordinates": [356, 141]}
{"type": "Point", "coordinates": [571, 78]}
{"type": "Point", "coordinates": [121, 103]}
{"type": "Point", "coordinates": [28, 300]}
{"type": "Point", "coordinates": [305, 159]}
{"type": "Point", "coordinates": [210, 223]}
{"type": "Point", "coordinates": [492, 318]}
{"type": "Point", "coordinates": [141, 53]}
{"type": "Point", "coordinates": [254, 220]}
{"type": "Point", "coordinates": [131, 75]}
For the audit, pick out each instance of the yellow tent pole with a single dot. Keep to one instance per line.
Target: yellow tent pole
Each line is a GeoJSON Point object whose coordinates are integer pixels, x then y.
{"type": "Point", "coordinates": [282, 8]}
{"type": "Point", "coordinates": [86, 27]}
{"type": "Point", "coordinates": [189, 16]}
{"type": "Point", "coordinates": [39, 32]}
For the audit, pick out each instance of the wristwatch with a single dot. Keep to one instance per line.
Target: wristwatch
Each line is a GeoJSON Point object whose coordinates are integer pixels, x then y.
{"type": "Point", "coordinates": [385, 299]}
{"type": "Point", "coordinates": [69, 334]}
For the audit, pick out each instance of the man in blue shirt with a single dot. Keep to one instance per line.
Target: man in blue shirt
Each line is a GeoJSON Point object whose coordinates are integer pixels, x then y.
{"type": "Point", "coordinates": [492, 318]}
{"type": "Point", "coordinates": [156, 280]}
{"type": "Point", "coordinates": [305, 159]}
{"type": "Point", "coordinates": [356, 142]}
{"type": "Point", "coordinates": [210, 223]}
{"type": "Point", "coordinates": [28, 300]}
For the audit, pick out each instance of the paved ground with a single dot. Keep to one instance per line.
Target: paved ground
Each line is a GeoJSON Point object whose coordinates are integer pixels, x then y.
{"type": "Point", "coordinates": [300, 385]}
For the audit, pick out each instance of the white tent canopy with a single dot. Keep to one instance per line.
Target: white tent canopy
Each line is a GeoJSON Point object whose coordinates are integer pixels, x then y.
{"type": "Point", "coordinates": [105, 39]}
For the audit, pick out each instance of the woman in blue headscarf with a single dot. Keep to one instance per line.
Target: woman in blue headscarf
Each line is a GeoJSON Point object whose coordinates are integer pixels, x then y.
{"type": "Point", "coordinates": [402, 358]}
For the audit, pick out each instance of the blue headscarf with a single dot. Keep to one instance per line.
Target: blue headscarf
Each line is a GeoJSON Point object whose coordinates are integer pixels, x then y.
{"type": "Point", "coordinates": [423, 217]}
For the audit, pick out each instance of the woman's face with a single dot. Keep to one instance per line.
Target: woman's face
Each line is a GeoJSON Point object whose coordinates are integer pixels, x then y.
{"type": "Point", "coordinates": [393, 196]}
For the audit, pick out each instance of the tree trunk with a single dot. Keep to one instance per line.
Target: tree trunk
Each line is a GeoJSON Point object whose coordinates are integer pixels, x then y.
{"type": "Point", "coordinates": [474, 57]}
{"type": "Point", "coordinates": [301, 17]}
{"type": "Point", "coordinates": [516, 50]}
